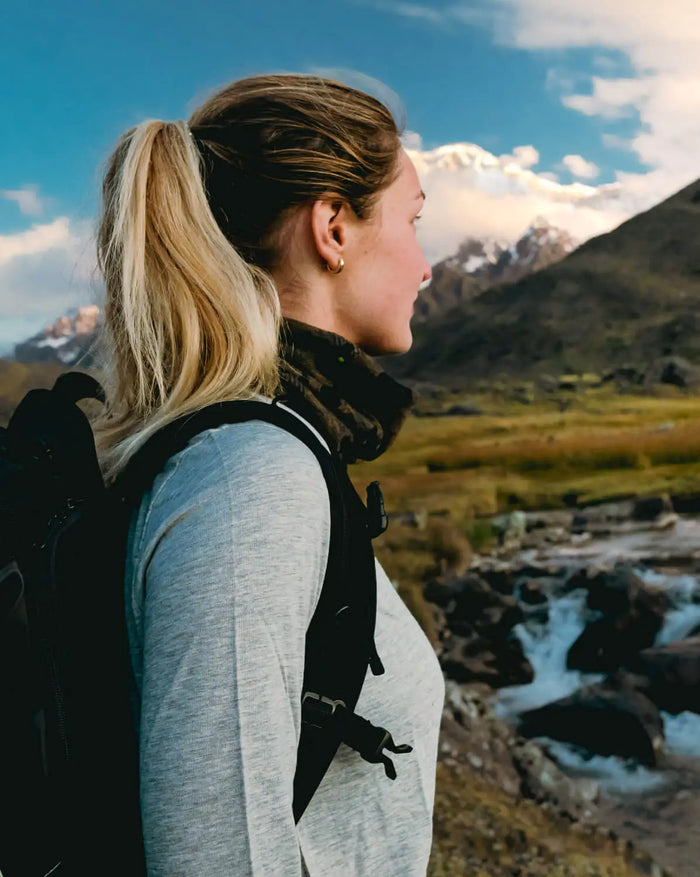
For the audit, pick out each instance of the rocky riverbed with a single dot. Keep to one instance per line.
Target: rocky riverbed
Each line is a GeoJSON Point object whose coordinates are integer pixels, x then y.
{"type": "Point", "coordinates": [572, 660]}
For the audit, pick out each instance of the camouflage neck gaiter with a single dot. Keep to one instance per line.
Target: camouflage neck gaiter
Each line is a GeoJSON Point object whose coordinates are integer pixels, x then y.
{"type": "Point", "coordinates": [355, 405]}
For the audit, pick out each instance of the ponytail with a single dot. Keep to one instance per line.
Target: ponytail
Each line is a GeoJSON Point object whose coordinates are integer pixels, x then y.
{"type": "Point", "coordinates": [188, 321]}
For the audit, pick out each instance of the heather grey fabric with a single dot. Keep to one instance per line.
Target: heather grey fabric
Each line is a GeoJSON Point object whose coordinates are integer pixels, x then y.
{"type": "Point", "coordinates": [225, 563]}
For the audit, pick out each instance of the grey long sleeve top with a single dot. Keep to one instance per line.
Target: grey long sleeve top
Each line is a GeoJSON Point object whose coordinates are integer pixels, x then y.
{"type": "Point", "coordinates": [225, 563]}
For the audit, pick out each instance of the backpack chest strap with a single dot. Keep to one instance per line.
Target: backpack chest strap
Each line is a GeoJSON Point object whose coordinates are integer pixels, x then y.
{"type": "Point", "coordinates": [333, 716]}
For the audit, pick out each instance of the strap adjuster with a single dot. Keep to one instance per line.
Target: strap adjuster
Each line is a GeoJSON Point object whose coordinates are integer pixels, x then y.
{"type": "Point", "coordinates": [315, 708]}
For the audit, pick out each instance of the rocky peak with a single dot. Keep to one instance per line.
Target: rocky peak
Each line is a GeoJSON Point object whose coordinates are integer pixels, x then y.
{"type": "Point", "coordinates": [66, 341]}
{"type": "Point", "coordinates": [481, 263]}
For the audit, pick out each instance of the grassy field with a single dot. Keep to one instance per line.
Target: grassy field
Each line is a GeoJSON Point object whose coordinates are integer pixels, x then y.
{"type": "Point", "coordinates": [538, 456]}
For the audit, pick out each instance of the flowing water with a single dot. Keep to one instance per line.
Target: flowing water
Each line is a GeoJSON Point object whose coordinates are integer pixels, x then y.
{"type": "Point", "coordinates": [546, 643]}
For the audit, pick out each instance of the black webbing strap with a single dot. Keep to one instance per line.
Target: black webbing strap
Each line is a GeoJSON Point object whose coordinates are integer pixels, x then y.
{"type": "Point", "coordinates": [151, 458]}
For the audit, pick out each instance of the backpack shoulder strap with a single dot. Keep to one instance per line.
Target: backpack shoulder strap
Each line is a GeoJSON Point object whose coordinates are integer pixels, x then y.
{"type": "Point", "coordinates": [340, 637]}
{"type": "Point", "coordinates": [316, 749]}
{"type": "Point", "coordinates": [168, 441]}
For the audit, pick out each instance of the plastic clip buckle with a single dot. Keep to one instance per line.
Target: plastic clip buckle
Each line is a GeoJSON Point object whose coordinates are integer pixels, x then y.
{"type": "Point", "coordinates": [315, 706]}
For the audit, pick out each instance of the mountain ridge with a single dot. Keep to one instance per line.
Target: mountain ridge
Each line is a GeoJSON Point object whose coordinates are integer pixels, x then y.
{"type": "Point", "coordinates": [481, 263]}
{"type": "Point", "coordinates": [626, 297]}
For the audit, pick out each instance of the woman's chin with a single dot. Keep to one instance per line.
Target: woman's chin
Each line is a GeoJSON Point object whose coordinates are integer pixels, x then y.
{"type": "Point", "coordinates": [389, 346]}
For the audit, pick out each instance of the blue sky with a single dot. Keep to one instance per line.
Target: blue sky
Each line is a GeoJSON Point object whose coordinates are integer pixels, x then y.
{"type": "Point", "coordinates": [586, 93]}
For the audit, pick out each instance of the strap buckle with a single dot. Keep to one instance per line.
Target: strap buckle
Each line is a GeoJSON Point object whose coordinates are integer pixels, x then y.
{"type": "Point", "coordinates": [316, 708]}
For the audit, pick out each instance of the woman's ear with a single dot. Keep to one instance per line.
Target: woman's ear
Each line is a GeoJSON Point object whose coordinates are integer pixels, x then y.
{"type": "Point", "coordinates": [331, 221]}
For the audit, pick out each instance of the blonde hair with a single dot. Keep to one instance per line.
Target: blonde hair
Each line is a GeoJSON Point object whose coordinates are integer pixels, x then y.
{"type": "Point", "coordinates": [191, 228]}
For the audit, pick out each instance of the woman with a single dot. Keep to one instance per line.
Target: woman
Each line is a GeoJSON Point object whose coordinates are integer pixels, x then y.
{"type": "Point", "coordinates": [286, 208]}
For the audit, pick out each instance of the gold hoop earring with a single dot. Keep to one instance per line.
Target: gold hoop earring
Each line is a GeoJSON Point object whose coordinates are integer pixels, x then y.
{"type": "Point", "coordinates": [341, 265]}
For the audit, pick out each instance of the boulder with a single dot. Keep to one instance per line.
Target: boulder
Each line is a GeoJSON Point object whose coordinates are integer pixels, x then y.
{"type": "Point", "coordinates": [680, 373]}
{"type": "Point", "coordinates": [579, 523]}
{"type": "Point", "coordinates": [473, 735]}
{"type": "Point", "coordinates": [480, 606]}
{"type": "Point", "coordinates": [607, 718]}
{"type": "Point", "coordinates": [442, 593]}
{"type": "Point", "coordinates": [532, 592]}
{"type": "Point", "coordinates": [633, 613]}
{"type": "Point", "coordinates": [649, 508]}
{"type": "Point", "coordinates": [536, 616]}
{"type": "Point", "coordinates": [470, 733]}
{"type": "Point", "coordinates": [542, 780]}
{"type": "Point", "coordinates": [672, 675]}
{"type": "Point", "coordinates": [500, 580]}
{"type": "Point", "coordinates": [621, 590]}
{"type": "Point", "coordinates": [477, 645]}
{"type": "Point", "coordinates": [470, 599]}
{"type": "Point", "coordinates": [687, 503]}
{"type": "Point", "coordinates": [470, 659]}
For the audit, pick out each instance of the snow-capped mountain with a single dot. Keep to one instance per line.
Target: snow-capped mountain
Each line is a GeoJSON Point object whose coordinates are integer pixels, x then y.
{"type": "Point", "coordinates": [68, 341]}
{"type": "Point", "coordinates": [493, 261]}
{"type": "Point", "coordinates": [481, 263]}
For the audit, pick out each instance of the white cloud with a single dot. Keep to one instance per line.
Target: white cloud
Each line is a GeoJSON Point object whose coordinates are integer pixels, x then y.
{"type": "Point", "coordinates": [421, 12]}
{"type": "Point", "coordinates": [411, 10]}
{"type": "Point", "coordinates": [614, 141]}
{"type": "Point", "coordinates": [412, 140]}
{"type": "Point", "coordinates": [525, 156]}
{"type": "Point", "coordinates": [37, 239]}
{"type": "Point", "coordinates": [471, 192]}
{"type": "Point", "coordinates": [579, 167]}
{"type": "Point", "coordinates": [26, 198]}
{"type": "Point", "coordinates": [44, 270]}
{"type": "Point", "coordinates": [611, 98]}
{"type": "Point", "coordinates": [661, 86]}
{"type": "Point", "coordinates": [559, 80]}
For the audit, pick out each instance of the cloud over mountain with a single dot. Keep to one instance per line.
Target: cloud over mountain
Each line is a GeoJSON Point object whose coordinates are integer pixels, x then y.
{"type": "Point", "coordinates": [472, 192]}
{"type": "Point", "coordinates": [579, 167]}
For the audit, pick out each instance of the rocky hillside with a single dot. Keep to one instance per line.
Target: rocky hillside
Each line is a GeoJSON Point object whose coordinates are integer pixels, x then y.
{"type": "Point", "coordinates": [629, 298]}
{"type": "Point", "coordinates": [480, 264]}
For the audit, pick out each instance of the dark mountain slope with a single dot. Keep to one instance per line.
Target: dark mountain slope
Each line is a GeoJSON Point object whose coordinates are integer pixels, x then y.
{"type": "Point", "coordinates": [631, 296]}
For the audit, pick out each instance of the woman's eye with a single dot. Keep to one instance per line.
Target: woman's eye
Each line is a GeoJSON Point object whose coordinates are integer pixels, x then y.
{"type": "Point", "coordinates": [417, 217]}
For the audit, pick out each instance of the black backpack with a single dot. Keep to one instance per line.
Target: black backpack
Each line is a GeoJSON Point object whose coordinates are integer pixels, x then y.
{"type": "Point", "coordinates": [68, 751]}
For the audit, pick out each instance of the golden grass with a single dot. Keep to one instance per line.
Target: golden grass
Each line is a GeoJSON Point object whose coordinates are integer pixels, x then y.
{"type": "Point", "coordinates": [535, 456]}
